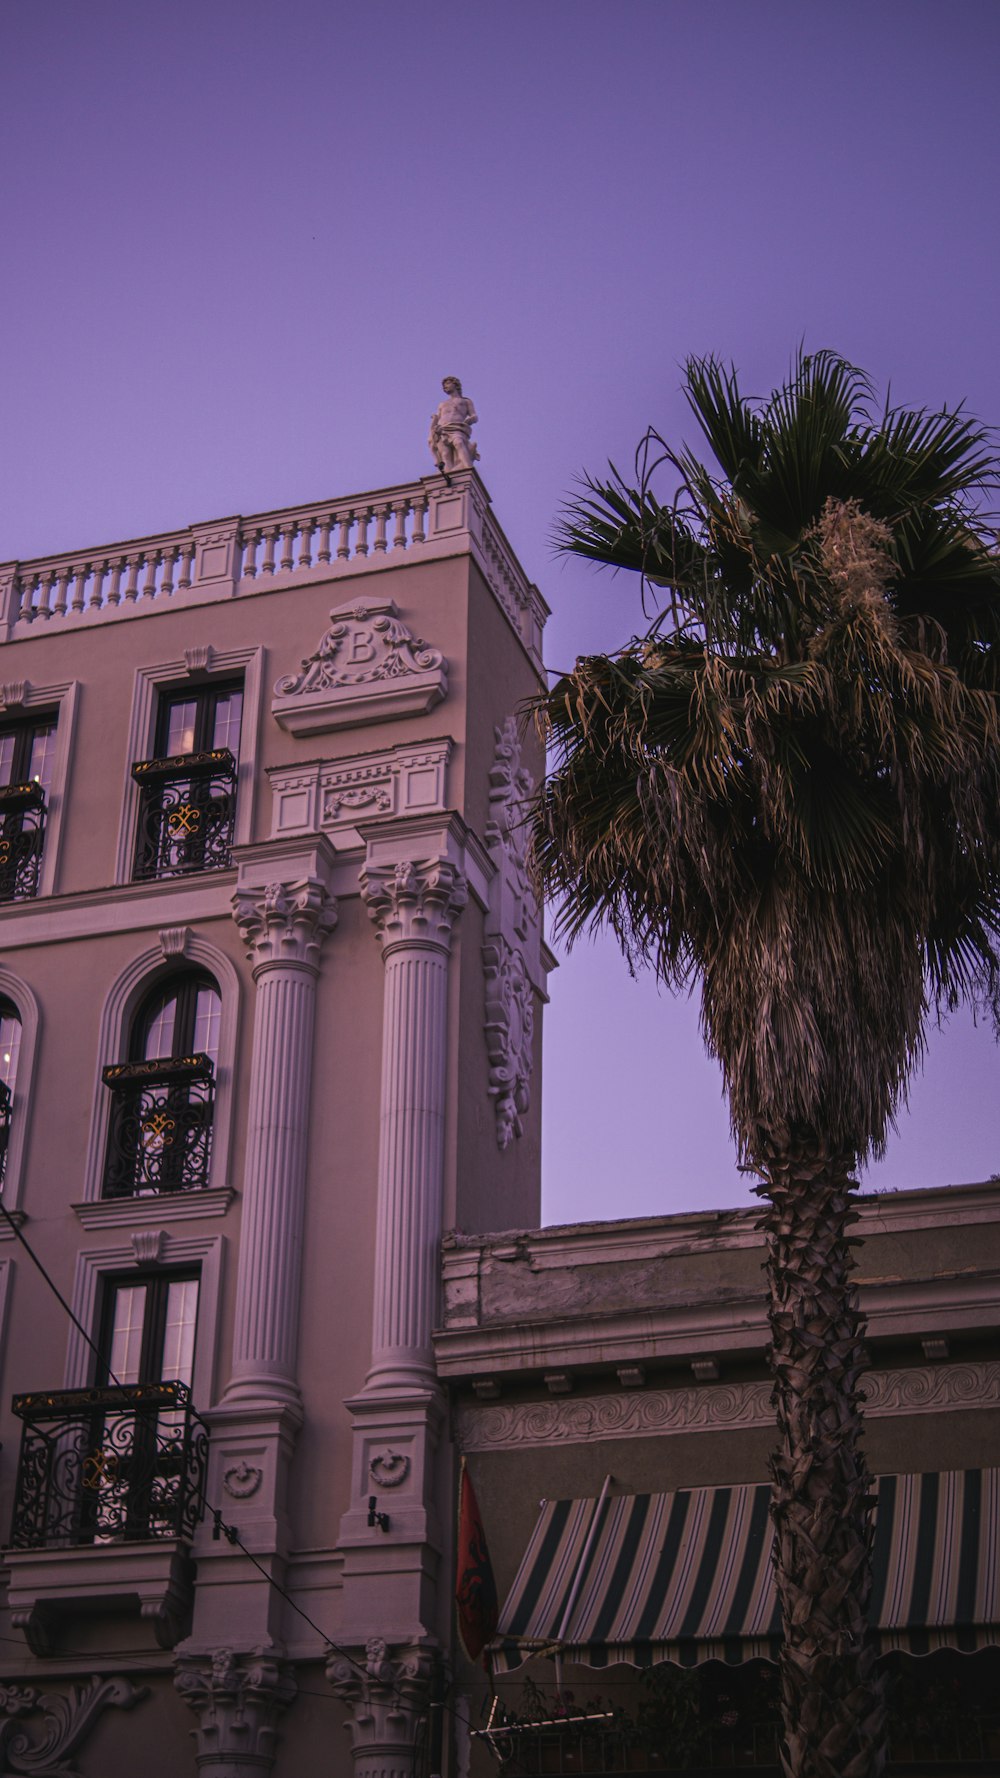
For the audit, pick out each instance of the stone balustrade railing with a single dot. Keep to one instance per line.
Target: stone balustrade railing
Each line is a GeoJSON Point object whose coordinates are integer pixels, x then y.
{"type": "Point", "coordinates": [237, 555]}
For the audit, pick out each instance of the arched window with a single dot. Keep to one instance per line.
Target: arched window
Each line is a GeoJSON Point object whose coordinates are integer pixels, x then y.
{"type": "Point", "coordinates": [160, 1132]}
{"type": "Point", "coordinates": [10, 1044]}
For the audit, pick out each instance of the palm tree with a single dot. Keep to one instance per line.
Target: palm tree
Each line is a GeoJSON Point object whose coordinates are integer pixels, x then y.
{"type": "Point", "coordinates": [786, 790]}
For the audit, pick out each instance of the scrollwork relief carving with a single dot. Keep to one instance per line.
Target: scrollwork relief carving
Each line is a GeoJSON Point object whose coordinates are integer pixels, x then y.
{"type": "Point", "coordinates": [368, 665]}
{"type": "Point", "coordinates": [67, 1722]}
{"type": "Point", "coordinates": [285, 922]}
{"type": "Point", "coordinates": [658, 1411]}
{"type": "Point", "coordinates": [513, 931]}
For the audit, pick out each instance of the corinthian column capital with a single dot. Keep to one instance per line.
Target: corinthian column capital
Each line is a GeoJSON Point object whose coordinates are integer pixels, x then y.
{"type": "Point", "coordinates": [386, 1692]}
{"type": "Point", "coordinates": [414, 901]}
{"type": "Point", "coordinates": [237, 1699]}
{"type": "Point", "coordinates": [285, 922]}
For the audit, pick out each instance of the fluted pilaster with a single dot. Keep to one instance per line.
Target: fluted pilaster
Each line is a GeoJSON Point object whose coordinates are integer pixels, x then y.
{"type": "Point", "coordinates": [414, 907]}
{"type": "Point", "coordinates": [284, 926]}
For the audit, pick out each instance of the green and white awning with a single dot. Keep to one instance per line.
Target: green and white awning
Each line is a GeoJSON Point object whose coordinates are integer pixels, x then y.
{"type": "Point", "coordinates": [687, 1577]}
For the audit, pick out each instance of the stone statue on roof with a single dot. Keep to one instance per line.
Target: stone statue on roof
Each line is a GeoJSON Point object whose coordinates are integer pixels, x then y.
{"type": "Point", "coordinates": [451, 429]}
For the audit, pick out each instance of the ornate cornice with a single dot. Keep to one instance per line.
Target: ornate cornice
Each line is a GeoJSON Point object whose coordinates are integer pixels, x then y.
{"type": "Point", "coordinates": [650, 1413]}
{"type": "Point", "coordinates": [285, 922]}
{"type": "Point", "coordinates": [67, 1722]}
{"type": "Point", "coordinates": [237, 1699]}
{"type": "Point", "coordinates": [414, 901]}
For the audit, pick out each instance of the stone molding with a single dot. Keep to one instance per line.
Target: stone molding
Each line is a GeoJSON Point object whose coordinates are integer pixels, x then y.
{"type": "Point", "coordinates": [285, 923]}
{"type": "Point", "coordinates": [725, 1407]}
{"type": "Point", "coordinates": [386, 1692]}
{"type": "Point", "coordinates": [414, 902]}
{"type": "Point", "coordinates": [332, 796]}
{"type": "Point", "coordinates": [238, 1700]}
{"type": "Point", "coordinates": [368, 667]}
{"type": "Point", "coordinates": [67, 1723]}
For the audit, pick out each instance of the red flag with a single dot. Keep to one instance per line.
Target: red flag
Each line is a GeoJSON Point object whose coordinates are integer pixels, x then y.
{"type": "Point", "coordinates": [475, 1587]}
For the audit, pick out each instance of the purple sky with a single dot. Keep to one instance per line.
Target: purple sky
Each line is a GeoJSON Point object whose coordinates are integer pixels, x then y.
{"type": "Point", "coordinates": [243, 242]}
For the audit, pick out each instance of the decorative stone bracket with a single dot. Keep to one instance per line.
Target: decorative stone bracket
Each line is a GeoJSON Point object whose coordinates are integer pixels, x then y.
{"type": "Point", "coordinates": [368, 667]}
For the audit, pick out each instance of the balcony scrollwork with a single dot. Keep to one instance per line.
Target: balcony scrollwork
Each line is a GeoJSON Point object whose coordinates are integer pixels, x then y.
{"type": "Point", "coordinates": [186, 815]}
{"type": "Point", "coordinates": [104, 1466]}
{"type": "Point", "coordinates": [160, 1134]}
{"type": "Point", "coordinates": [22, 835]}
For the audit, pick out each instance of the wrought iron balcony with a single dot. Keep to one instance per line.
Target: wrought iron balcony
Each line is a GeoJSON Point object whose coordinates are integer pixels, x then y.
{"type": "Point", "coordinates": [22, 835]}
{"type": "Point", "coordinates": [186, 814]}
{"type": "Point", "coordinates": [160, 1134]}
{"type": "Point", "coordinates": [101, 1466]}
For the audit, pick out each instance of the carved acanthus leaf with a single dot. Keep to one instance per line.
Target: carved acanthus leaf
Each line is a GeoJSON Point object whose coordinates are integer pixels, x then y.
{"type": "Point", "coordinates": [285, 922]}
{"type": "Point", "coordinates": [67, 1722]}
{"type": "Point", "coordinates": [414, 900]}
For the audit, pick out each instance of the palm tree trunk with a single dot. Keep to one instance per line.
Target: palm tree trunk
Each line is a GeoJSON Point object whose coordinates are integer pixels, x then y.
{"type": "Point", "coordinates": [831, 1694]}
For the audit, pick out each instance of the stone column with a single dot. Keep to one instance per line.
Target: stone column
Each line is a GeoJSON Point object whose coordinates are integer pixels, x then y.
{"type": "Point", "coordinates": [387, 1695]}
{"type": "Point", "coordinates": [237, 1701]}
{"type": "Point", "coordinates": [414, 906]}
{"type": "Point", "coordinates": [283, 925]}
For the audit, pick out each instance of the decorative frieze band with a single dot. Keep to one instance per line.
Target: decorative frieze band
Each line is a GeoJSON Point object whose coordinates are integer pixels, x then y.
{"type": "Point", "coordinates": [654, 1412]}
{"type": "Point", "coordinates": [511, 954]}
{"type": "Point", "coordinates": [334, 795]}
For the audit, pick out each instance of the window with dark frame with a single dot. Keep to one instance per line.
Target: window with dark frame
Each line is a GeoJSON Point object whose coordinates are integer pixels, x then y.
{"type": "Point", "coordinates": [187, 805]}
{"type": "Point", "coordinates": [123, 1460]}
{"type": "Point", "coordinates": [160, 1129]}
{"type": "Point", "coordinates": [10, 1044]}
{"type": "Point", "coordinates": [27, 754]}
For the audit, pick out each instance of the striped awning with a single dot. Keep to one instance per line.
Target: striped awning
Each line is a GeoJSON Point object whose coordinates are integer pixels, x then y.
{"type": "Point", "coordinates": [687, 1577]}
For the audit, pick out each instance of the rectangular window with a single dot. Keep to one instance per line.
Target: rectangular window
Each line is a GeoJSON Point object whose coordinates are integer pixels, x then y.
{"type": "Point", "coordinates": [27, 756]}
{"type": "Point", "coordinates": [187, 808]}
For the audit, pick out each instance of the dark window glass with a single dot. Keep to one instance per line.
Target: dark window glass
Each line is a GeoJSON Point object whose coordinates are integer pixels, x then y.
{"type": "Point", "coordinates": [187, 810]}
{"type": "Point", "coordinates": [148, 1328]}
{"type": "Point", "coordinates": [10, 1044]}
{"type": "Point", "coordinates": [160, 1132]}
{"type": "Point", "coordinates": [196, 721]}
{"type": "Point", "coordinates": [27, 751]}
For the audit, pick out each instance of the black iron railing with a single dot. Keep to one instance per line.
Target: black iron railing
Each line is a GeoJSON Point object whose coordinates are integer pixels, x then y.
{"type": "Point", "coordinates": [110, 1465]}
{"type": "Point", "coordinates": [160, 1132]}
{"type": "Point", "coordinates": [186, 815]}
{"type": "Point", "coordinates": [22, 835]}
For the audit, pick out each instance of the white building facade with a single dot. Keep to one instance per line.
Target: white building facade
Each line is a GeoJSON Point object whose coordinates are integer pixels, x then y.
{"type": "Point", "coordinates": [271, 978]}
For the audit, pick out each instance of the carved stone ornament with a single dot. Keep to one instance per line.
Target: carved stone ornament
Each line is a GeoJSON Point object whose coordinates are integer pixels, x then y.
{"type": "Point", "coordinates": [651, 1413]}
{"type": "Point", "coordinates": [148, 1245]}
{"type": "Point", "coordinates": [510, 1025]}
{"type": "Point", "coordinates": [67, 1722]}
{"type": "Point", "coordinates": [285, 922]}
{"type": "Point", "coordinates": [13, 693]}
{"type": "Point", "coordinates": [174, 941]}
{"type": "Point", "coordinates": [368, 667]}
{"type": "Point", "coordinates": [513, 938]}
{"type": "Point", "coordinates": [242, 1479]}
{"type": "Point", "coordinates": [237, 1699]}
{"type": "Point", "coordinates": [386, 1692]}
{"type": "Point", "coordinates": [389, 1469]}
{"type": "Point", "coordinates": [450, 436]}
{"type": "Point", "coordinates": [414, 901]}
